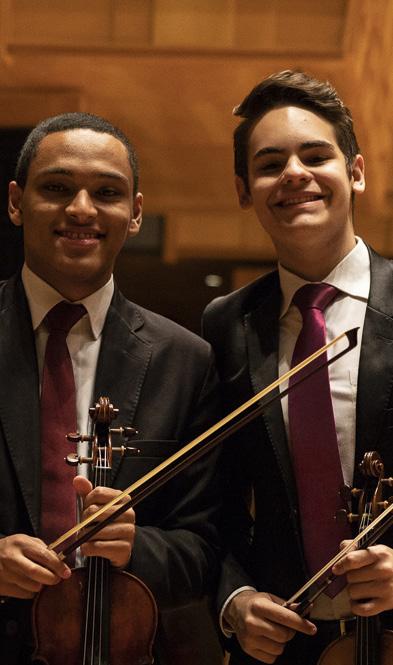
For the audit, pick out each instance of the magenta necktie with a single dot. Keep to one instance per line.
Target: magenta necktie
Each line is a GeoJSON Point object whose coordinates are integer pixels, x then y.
{"type": "Point", "coordinates": [58, 418]}
{"type": "Point", "coordinates": [313, 435]}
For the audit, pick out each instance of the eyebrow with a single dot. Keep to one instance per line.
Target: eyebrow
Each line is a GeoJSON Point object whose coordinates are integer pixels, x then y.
{"type": "Point", "coordinates": [56, 170]}
{"type": "Point", "coordinates": [271, 150]}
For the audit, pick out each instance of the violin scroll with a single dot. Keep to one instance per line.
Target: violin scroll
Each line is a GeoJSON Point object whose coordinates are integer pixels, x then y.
{"type": "Point", "coordinates": [102, 415]}
{"type": "Point", "coordinates": [373, 471]}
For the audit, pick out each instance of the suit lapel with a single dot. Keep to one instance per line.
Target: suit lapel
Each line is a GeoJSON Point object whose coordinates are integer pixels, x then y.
{"type": "Point", "coordinates": [19, 396]}
{"type": "Point", "coordinates": [123, 362]}
{"type": "Point", "coordinates": [376, 359]}
{"type": "Point", "coordinates": [262, 333]}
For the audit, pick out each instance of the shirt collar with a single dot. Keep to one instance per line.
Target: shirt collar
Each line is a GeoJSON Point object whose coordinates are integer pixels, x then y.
{"type": "Point", "coordinates": [351, 276]}
{"type": "Point", "coordinates": [42, 297]}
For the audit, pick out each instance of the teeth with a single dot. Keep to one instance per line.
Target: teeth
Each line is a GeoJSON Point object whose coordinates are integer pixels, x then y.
{"type": "Point", "coordinates": [300, 199]}
{"type": "Point", "coordinates": [78, 236]}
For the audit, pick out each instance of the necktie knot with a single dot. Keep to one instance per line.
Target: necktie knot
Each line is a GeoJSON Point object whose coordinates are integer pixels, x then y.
{"type": "Point", "coordinates": [314, 296]}
{"type": "Point", "coordinates": [63, 316]}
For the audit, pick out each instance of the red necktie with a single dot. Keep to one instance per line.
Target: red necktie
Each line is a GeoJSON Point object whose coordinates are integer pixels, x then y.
{"type": "Point", "coordinates": [313, 435]}
{"type": "Point", "coordinates": [58, 417]}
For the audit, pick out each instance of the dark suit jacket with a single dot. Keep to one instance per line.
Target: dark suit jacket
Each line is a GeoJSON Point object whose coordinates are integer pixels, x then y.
{"type": "Point", "coordinates": [243, 329]}
{"type": "Point", "coordinates": [161, 377]}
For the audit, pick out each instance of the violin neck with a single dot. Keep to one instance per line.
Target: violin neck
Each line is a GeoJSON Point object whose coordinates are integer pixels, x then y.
{"type": "Point", "coordinates": [96, 643]}
{"type": "Point", "coordinates": [367, 641]}
{"type": "Point", "coordinates": [367, 637]}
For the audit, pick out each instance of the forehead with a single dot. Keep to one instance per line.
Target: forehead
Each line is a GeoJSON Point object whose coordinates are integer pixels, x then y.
{"type": "Point", "coordinates": [288, 127]}
{"type": "Point", "coordinates": [81, 150]}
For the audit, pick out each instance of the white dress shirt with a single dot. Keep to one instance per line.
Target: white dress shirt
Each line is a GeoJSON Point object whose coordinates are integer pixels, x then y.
{"type": "Point", "coordinates": [83, 341]}
{"type": "Point", "coordinates": [352, 277]}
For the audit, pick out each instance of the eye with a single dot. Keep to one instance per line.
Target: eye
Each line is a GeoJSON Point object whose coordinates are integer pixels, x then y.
{"type": "Point", "coordinates": [108, 192]}
{"type": "Point", "coordinates": [269, 167]}
{"type": "Point", "coordinates": [55, 187]}
{"type": "Point", "coordinates": [316, 159]}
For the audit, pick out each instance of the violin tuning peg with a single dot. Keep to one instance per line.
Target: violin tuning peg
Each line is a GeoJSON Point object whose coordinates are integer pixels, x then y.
{"type": "Point", "coordinates": [126, 432]}
{"type": "Point", "coordinates": [72, 459]}
{"type": "Point", "coordinates": [346, 493]}
{"type": "Point", "coordinates": [74, 437]}
{"type": "Point", "coordinates": [343, 517]}
{"type": "Point", "coordinates": [129, 432]}
{"type": "Point", "coordinates": [387, 481]}
{"type": "Point", "coordinates": [133, 451]}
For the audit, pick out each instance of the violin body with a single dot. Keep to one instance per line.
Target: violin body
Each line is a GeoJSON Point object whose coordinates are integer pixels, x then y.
{"type": "Point", "coordinates": [342, 651]}
{"type": "Point", "coordinates": [59, 620]}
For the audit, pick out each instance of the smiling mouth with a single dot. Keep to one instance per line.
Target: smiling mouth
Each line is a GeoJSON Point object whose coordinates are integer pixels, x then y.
{"type": "Point", "coordinates": [80, 235]}
{"type": "Point", "coordinates": [296, 200]}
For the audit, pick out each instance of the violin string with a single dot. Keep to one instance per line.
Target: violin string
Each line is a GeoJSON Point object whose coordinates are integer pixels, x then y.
{"type": "Point", "coordinates": [100, 561]}
{"type": "Point", "coordinates": [363, 624]}
{"type": "Point", "coordinates": [95, 588]}
{"type": "Point", "coordinates": [205, 435]}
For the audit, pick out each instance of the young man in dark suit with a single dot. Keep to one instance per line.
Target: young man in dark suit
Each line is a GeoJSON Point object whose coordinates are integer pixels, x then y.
{"type": "Point", "coordinates": [298, 164]}
{"type": "Point", "coordinates": [76, 195]}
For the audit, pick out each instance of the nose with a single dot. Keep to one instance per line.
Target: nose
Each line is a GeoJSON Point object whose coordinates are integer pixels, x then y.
{"type": "Point", "coordinates": [81, 208]}
{"type": "Point", "coordinates": [295, 171]}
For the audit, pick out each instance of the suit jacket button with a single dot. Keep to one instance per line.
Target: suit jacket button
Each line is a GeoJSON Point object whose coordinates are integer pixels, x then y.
{"type": "Point", "coordinates": [11, 628]}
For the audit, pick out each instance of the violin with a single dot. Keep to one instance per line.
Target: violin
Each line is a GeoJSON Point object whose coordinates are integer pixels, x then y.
{"type": "Point", "coordinates": [100, 615]}
{"type": "Point", "coordinates": [368, 645]}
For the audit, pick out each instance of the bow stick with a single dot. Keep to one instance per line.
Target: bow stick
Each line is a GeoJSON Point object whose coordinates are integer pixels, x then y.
{"type": "Point", "coordinates": [368, 536]}
{"type": "Point", "coordinates": [198, 446]}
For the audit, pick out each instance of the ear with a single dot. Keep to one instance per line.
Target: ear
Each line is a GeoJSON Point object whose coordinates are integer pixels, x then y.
{"type": "Point", "coordinates": [242, 194]}
{"type": "Point", "coordinates": [15, 194]}
{"type": "Point", "coordinates": [136, 221]}
{"type": "Point", "coordinates": [358, 180]}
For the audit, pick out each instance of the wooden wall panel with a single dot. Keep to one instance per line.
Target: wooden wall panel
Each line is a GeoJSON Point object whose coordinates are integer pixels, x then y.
{"type": "Point", "coordinates": [176, 102]}
{"type": "Point", "coordinates": [25, 108]}
{"type": "Point", "coordinates": [209, 233]}
{"type": "Point", "coordinates": [279, 26]}
{"type": "Point", "coordinates": [190, 24]}
{"type": "Point", "coordinates": [132, 23]}
{"type": "Point", "coordinates": [291, 27]}
{"type": "Point", "coordinates": [37, 22]}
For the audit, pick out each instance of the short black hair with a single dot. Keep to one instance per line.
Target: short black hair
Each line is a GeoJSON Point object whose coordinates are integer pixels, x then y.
{"type": "Point", "coordinates": [293, 88]}
{"type": "Point", "coordinates": [63, 123]}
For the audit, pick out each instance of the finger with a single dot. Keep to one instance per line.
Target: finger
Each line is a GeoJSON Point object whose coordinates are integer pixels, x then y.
{"type": "Point", "coordinates": [286, 617]}
{"type": "Point", "coordinates": [82, 486]}
{"type": "Point", "coordinates": [41, 573]}
{"type": "Point", "coordinates": [16, 591]}
{"type": "Point", "coordinates": [31, 557]}
{"type": "Point", "coordinates": [265, 653]}
{"type": "Point", "coordinates": [128, 516]}
{"type": "Point", "coordinates": [102, 495]}
{"type": "Point", "coordinates": [47, 560]}
{"type": "Point", "coordinates": [369, 590]}
{"type": "Point", "coordinates": [115, 531]}
{"type": "Point", "coordinates": [354, 561]}
{"type": "Point", "coordinates": [118, 552]}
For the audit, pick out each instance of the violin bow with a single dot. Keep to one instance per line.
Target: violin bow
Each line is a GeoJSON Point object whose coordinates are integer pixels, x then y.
{"type": "Point", "coordinates": [199, 446]}
{"type": "Point", "coordinates": [368, 536]}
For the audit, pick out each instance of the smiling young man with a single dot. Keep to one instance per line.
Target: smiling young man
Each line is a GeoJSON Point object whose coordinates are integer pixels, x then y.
{"type": "Point", "coordinates": [76, 196]}
{"type": "Point", "coordinates": [297, 164]}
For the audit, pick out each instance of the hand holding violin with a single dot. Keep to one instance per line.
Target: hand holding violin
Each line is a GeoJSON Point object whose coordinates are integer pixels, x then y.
{"type": "Point", "coordinates": [115, 541]}
{"type": "Point", "coordinates": [26, 565]}
{"type": "Point", "coordinates": [370, 579]}
{"type": "Point", "coordinates": [262, 625]}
